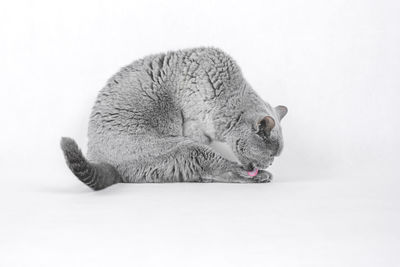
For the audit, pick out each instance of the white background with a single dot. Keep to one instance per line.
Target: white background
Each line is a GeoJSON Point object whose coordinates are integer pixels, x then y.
{"type": "Point", "coordinates": [334, 200]}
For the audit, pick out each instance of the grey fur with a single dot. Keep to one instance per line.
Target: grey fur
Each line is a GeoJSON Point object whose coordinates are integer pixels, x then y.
{"type": "Point", "coordinates": [95, 175]}
{"type": "Point", "coordinates": [154, 119]}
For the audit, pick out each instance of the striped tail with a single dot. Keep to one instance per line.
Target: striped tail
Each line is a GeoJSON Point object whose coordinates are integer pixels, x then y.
{"type": "Point", "coordinates": [95, 175]}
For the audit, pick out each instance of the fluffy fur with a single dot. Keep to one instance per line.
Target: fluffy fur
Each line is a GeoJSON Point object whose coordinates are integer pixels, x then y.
{"type": "Point", "coordinates": [154, 119]}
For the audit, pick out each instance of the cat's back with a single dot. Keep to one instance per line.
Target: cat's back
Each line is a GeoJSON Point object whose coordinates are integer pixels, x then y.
{"type": "Point", "coordinates": [137, 99]}
{"type": "Point", "coordinates": [154, 90]}
{"type": "Point", "coordinates": [172, 70]}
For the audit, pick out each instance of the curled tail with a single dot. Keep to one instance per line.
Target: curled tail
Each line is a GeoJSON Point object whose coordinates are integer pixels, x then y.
{"type": "Point", "coordinates": [95, 175]}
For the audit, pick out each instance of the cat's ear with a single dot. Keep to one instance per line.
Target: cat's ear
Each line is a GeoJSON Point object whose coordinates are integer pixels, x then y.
{"type": "Point", "coordinates": [266, 124]}
{"type": "Point", "coordinates": [281, 111]}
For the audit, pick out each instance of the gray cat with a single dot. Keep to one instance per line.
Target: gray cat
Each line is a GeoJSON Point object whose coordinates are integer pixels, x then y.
{"type": "Point", "coordinates": [154, 120]}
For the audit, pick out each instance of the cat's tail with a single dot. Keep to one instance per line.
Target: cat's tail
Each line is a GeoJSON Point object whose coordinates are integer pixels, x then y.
{"type": "Point", "coordinates": [95, 175]}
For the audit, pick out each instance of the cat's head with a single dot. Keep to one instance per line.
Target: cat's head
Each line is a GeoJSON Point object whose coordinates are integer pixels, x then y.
{"type": "Point", "coordinates": [257, 139]}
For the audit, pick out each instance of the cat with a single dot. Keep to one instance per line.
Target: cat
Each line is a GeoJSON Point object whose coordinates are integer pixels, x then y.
{"type": "Point", "coordinates": [155, 119]}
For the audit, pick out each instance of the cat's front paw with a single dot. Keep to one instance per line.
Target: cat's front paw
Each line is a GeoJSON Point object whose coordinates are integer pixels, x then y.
{"type": "Point", "coordinates": [243, 176]}
{"type": "Point", "coordinates": [262, 177]}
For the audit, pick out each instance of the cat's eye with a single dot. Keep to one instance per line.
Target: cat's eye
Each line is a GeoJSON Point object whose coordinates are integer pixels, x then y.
{"type": "Point", "coordinates": [255, 127]}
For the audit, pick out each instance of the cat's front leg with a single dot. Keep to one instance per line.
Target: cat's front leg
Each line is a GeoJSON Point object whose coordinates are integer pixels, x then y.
{"type": "Point", "coordinates": [179, 159]}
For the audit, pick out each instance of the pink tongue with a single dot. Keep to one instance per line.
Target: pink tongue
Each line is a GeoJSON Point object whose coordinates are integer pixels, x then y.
{"type": "Point", "coordinates": [253, 172]}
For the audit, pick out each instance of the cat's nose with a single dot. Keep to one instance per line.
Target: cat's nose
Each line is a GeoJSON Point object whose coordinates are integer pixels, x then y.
{"type": "Point", "coordinates": [249, 167]}
{"type": "Point", "coordinates": [275, 153]}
